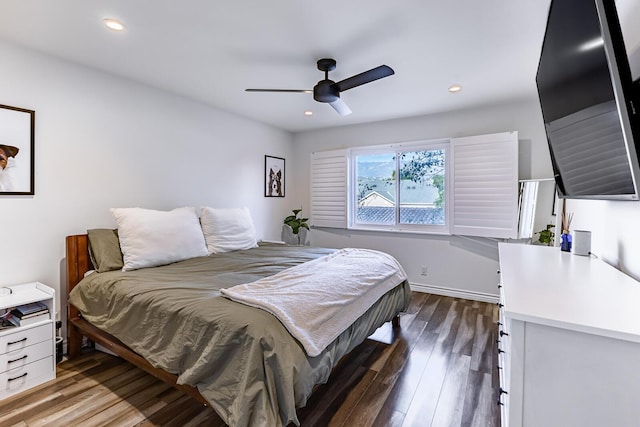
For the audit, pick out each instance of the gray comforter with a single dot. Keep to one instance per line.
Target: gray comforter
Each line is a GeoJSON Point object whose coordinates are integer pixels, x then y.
{"type": "Point", "coordinates": [242, 360]}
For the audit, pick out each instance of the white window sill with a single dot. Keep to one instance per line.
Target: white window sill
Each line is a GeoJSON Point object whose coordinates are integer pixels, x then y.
{"type": "Point", "coordinates": [442, 231]}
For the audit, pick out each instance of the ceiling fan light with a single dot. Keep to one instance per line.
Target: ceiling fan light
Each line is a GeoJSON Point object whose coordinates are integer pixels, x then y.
{"type": "Point", "coordinates": [114, 24]}
{"type": "Point", "coordinates": [455, 88]}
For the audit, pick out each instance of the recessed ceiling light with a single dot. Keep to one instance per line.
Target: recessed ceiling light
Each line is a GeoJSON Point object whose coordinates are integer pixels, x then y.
{"type": "Point", "coordinates": [308, 113]}
{"type": "Point", "coordinates": [455, 88]}
{"type": "Point", "coordinates": [114, 24]}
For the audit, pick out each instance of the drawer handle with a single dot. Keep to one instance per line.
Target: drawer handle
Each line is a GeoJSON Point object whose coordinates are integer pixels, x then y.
{"type": "Point", "coordinates": [16, 342]}
{"type": "Point", "coordinates": [17, 378]}
{"type": "Point", "coordinates": [17, 360]}
{"type": "Point", "coordinates": [502, 333]}
{"type": "Point", "coordinates": [501, 392]}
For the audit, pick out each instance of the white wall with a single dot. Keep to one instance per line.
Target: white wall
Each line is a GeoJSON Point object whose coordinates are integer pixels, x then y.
{"type": "Point", "coordinates": [615, 231]}
{"type": "Point", "coordinates": [453, 262]}
{"type": "Point", "coordinates": [102, 142]}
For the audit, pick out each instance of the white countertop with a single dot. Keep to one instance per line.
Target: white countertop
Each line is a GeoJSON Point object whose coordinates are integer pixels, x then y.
{"type": "Point", "coordinates": [547, 286]}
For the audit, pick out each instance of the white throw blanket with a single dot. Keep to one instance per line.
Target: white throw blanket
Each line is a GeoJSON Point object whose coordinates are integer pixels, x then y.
{"type": "Point", "coordinates": [318, 300]}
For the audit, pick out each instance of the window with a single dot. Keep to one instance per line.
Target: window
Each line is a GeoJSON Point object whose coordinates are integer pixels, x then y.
{"type": "Point", "coordinates": [465, 186]}
{"type": "Point", "coordinates": [400, 188]}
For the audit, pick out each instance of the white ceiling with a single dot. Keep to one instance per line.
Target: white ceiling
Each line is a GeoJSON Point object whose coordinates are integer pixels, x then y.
{"type": "Point", "coordinates": [212, 50]}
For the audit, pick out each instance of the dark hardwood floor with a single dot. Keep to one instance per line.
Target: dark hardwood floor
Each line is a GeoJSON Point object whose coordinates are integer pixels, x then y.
{"type": "Point", "coordinates": [437, 369]}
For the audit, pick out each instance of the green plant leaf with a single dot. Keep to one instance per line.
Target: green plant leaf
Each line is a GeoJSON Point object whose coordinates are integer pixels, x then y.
{"type": "Point", "coordinates": [296, 223]}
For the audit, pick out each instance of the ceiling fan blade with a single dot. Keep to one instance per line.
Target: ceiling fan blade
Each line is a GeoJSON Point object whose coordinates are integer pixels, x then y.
{"type": "Point", "coordinates": [365, 77]}
{"type": "Point", "coordinates": [342, 108]}
{"type": "Point", "coordinates": [280, 90]}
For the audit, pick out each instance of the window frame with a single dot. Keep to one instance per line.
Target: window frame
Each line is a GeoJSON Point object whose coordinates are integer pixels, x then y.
{"type": "Point", "coordinates": [478, 166]}
{"type": "Point", "coordinates": [422, 145]}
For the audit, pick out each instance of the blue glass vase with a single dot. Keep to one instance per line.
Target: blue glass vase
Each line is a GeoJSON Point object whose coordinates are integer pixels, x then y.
{"type": "Point", "coordinates": [565, 242]}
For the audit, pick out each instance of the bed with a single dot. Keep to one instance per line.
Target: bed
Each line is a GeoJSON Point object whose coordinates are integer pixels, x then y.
{"type": "Point", "coordinates": [172, 322]}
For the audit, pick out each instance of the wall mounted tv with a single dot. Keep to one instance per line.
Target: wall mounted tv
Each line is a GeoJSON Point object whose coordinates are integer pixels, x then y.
{"type": "Point", "coordinates": [590, 103]}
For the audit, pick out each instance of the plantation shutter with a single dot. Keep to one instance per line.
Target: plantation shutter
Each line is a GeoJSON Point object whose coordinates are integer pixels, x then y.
{"type": "Point", "coordinates": [485, 185]}
{"type": "Point", "coordinates": [329, 177]}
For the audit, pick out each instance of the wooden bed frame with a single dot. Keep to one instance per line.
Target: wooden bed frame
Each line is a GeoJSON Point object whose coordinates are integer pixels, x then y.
{"type": "Point", "coordinates": [78, 263]}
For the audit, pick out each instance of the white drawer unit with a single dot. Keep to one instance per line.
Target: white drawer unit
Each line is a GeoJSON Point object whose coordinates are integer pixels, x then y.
{"type": "Point", "coordinates": [24, 377]}
{"type": "Point", "coordinates": [573, 344]}
{"type": "Point", "coordinates": [22, 355]}
{"type": "Point", "coordinates": [27, 353]}
{"type": "Point", "coordinates": [19, 338]}
{"type": "Point", "coordinates": [504, 351]}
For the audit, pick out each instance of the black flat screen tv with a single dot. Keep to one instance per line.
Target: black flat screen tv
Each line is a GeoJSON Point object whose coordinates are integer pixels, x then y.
{"type": "Point", "coordinates": [590, 103]}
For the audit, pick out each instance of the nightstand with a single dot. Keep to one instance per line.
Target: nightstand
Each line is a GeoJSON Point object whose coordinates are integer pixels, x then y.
{"type": "Point", "coordinates": [27, 353]}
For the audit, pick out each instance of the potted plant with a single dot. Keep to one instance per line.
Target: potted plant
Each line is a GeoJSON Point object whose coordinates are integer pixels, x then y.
{"type": "Point", "coordinates": [296, 224]}
{"type": "Point", "coordinates": [547, 235]}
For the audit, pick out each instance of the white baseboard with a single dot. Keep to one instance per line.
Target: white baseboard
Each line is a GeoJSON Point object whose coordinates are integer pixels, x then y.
{"type": "Point", "coordinates": [455, 293]}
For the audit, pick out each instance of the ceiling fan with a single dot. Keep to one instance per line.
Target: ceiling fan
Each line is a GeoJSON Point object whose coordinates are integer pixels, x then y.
{"type": "Point", "coordinates": [328, 91]}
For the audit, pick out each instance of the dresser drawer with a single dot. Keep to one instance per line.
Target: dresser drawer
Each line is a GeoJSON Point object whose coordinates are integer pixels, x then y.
{"type": "Point", "coordinates": [25, 336]}
{"type": "Point", "coordinates": [27, 376]}
{"type": "Point", "coordinates": [25, 355]}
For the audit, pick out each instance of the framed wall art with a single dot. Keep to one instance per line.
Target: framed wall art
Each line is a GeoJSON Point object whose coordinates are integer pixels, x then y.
{"type": "Point", "coordinates": [273, 176]}
{"type": "Point", "coordinates": [16, 151]}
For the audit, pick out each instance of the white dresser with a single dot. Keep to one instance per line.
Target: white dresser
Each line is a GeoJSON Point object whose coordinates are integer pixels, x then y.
{"type": "Point", "coordinates": [569, 340]}
{"type": "Point", "coordinates": [27, 353]}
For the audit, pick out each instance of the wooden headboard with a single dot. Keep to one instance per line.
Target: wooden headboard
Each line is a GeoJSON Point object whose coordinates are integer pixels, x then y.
{"type": "Point", "coordinates": [78, 263]}
{"type": "Point", "coordinates": [78, 260]}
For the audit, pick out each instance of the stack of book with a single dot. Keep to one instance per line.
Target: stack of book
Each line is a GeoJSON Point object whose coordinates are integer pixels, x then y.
{"type": "Point", "coordinates": [28, 314]}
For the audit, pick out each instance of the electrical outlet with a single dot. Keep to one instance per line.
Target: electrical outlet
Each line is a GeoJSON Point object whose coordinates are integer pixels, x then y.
{"type": "Point", "coordinates": [423, 270]}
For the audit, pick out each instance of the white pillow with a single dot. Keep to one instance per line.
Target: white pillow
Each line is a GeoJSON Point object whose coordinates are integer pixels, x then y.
{"type": "Point", "coordinates": [149, 238]}
{"type": "Point", "coordinates": [228, 229]}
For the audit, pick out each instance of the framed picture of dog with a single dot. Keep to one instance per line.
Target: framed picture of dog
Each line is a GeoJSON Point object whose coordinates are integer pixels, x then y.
{"type": "Point", "coordinates": [16, 151]}
{"type": "Point", "coordinates": [273, 176]}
